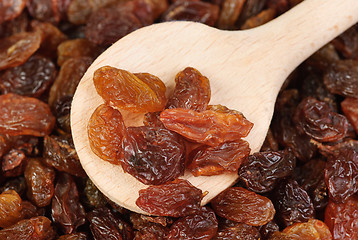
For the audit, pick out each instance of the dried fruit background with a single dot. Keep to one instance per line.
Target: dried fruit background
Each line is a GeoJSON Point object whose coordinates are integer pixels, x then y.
{"type": "Point", "coordinates": [302, 185]}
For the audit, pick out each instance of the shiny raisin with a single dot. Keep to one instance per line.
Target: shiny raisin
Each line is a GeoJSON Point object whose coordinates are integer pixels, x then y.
{"type": "Point", "coordinates": [226, 157]}
{"type": "Point", "coordinates": [176, 199]}
{"type": "Point", "coordinates": [40, 182]}
{"type": "Point", "coordinates": [67, 210]}
{"type": "Point", "coordinates": [241, 205]}
{"type": "Point", "coordinates": [262, 171]}
{"type": "Point", "coordinates": [210, 127]}
{"type": "Point", "coordinates": [153, 155]}
{"type": "Point", "coordinates": [201, 225]}
{"type": "Point", "coordinates": [192, 91]}
{"type": "Point", "coordinates": [25, 116]}
{"type": "Point", "coordinates": [239, 231]}
{"type": "Point", "coordinates": [127, 91]}
{"type": "Point", "coordinates": [30, 79]}
{"type": "Point", "coordinates": [10, 208]}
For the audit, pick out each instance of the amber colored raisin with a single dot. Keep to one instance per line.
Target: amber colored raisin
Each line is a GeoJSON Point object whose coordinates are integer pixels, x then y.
{"type": "Point", "coordinates": [342, 78]}
{"type": "Point", "coordinates": [226, 157]}
{"type": "Point", "coordinates": [16, 49]}
{"type": "Point", "coordinates": [341, 174]}
{"type": "Point", "coordinates": [262, 170]}
{"type": "Point", "coordinates": [107, 25]}
{"type": "Point", "coordinates": [241, 205]}
{"type": "Point", "coordinates": [104, 222]}
{"type": "Point", "coordinates": [10, 208]}
{"type": "Point", "coordinates": [311, 230]}
{"type": "Point", "coordinates": [29, 79]}
{"type": "Point", "coordinates": [38, 228]}
{"type": "Point", "coordinates": [201, 225]}
{"type": "Point", "coordinates": [192, 91]}
{"type": "Point", "coordinates": [126, 91]}
{"type": "Point", "coordinates": [176, 199]}
{"type": "Point", "coordinates": [60, 153]}
{"type": "Point", "coordinates": [79, 47]}
{"type": "Point", "coordinates": [67, 210]}
{"type": "Point", "coordinates": [25, 116]}
{"type": "Point", "coordinates": [195, 11]}
{"type": "Point", "coordinates": [341, 218]}
{"type": "Point", "coordinates": [106, 130]}
{"type": "Point", "coordinates": [317, 120]}
{"type": "Point", "coordinates": [210, 127]}
{"type": "Point", "coordinates": [292, 203]}
{"type": "Point", "coordinates": [10, 9]}
{"type": "Point", "coordinates": [350, 109]}
{"type": "Point", "coordinates": [40, 182]}
{"type": "Point", "coordinates": [239, 231]}
{"type": "Point", "coordinates": [68, 78]}
{"type": "Point", "coordinates": [153, 155]}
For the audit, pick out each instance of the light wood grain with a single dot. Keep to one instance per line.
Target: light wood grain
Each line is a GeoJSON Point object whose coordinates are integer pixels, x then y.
{"type": "Point", "coordinates": [246, 70]}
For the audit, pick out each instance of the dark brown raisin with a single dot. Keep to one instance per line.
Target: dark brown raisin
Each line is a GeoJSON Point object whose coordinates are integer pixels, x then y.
{"type": "Point", "coordinates": [153, 155]}
{"type": "Point", "coordinates": [350, 110]}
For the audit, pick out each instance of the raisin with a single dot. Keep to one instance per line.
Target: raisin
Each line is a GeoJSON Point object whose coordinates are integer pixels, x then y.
{"type": "Point", "coordinates": [38, 228]}
{"type": "Point", "coordinates": [67, 210]}
{"type": "Point", "coordinates": [108, 25]}
{"type": "Point", "coordinates": [13, 163]}
{"type": "Point", "coordinates": [29, 79]}
{"type": "Point", "coordinates": [342, 78]}
{"type": "Point", "coordinates": [202, 225]}
{"type": "Point", "coordinates": [341, 218]}
{"type": "Point", "coordinates": [192, 91]}
{"type": "Point", "coordinates": [60, 153]}
{"type": "Point", "coordinates": [41, 10]}
{"type": "Point", "coordinates": [25, 116]}
{"type": "Point", "coordinates": [74, 236]}
{"type": "Point", "coordinates": [311, 230]}
{"type": "Point", "coordinates": [127, 91]}
{"type": "Point", "coordinates": [29, 210]}
{"type": "Point", "coordinates": [40, 182]}
{"type": "Point", "coordinates": [17, 25]}
{"type": "Point", "coordinates": [261, 18]}
{"type": "Point", "coordinates": [195, 11]}
{"type": "Point", "coordinates": [106, 130]}
{"type": "Point", "coordinates": [341, 174]}
{"type": "Point", "coordinates": [347, 43]}
{"type": "Point", "coordinates": [239, 231]}
{"type": "Point", "coordinates": [229, 14]}
{"type": "Point", "coordinates": [62, 110]}
{"type": "Point", "coordinates": [350, 110]}
{"type": "Point", "coordinates": [226, 157]}
{"type": "Point", "coordinates": [10, 208]}
{"type": "Point", "coordinates": [268, 229]}
{"type": "Point", "coordinates": [241, 205]}
{"type": "Point", "coordinates": [73, 48]}
{"type": "Point", "coordinates": [104, 223]}
{"type": "Point", "coordinates": [292, 203]}
{"type": "Point", "coordinates": [262, 171]}
{"type": "Point", "coordinates": [16, 49]}
{"type": "Point", "coordinates": [153, 155]}
{"type": "Point", "coordinates": [211, 127]}
{"type": "Point", "coordinates": [151, 119]}
{"type": "Point", "coordinates": [78, 11]}
{"type": "Point", "coordinates": [68, 78]}
{"type": "Point", "coordinates": [10, 9]}
{"type": "Point", "coordinates": [152, 231]}
{"type": "Point", "coordinates": [94, 197]}
{"type": "Point", "coordinates": [176, 199]}
{"type": "Point", "coordinates": [317, 120]}
{"type": "Point", "coordinates": [52, 37]}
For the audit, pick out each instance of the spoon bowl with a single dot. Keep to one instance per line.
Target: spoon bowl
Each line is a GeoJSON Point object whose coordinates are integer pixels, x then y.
{"type": "Point", "coordinates": [246, 70]}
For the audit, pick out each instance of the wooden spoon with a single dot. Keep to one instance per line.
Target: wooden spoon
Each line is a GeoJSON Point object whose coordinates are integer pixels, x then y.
{"type": "Point", "coordinates": [246, 70]}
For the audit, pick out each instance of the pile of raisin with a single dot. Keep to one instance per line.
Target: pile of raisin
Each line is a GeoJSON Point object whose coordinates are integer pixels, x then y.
{"type": "Point", "coordinates": [301, 185]}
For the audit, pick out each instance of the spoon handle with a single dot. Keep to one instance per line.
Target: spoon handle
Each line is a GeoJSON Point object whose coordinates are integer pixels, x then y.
{"type": "Point", "coordinates": [304, 29]}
